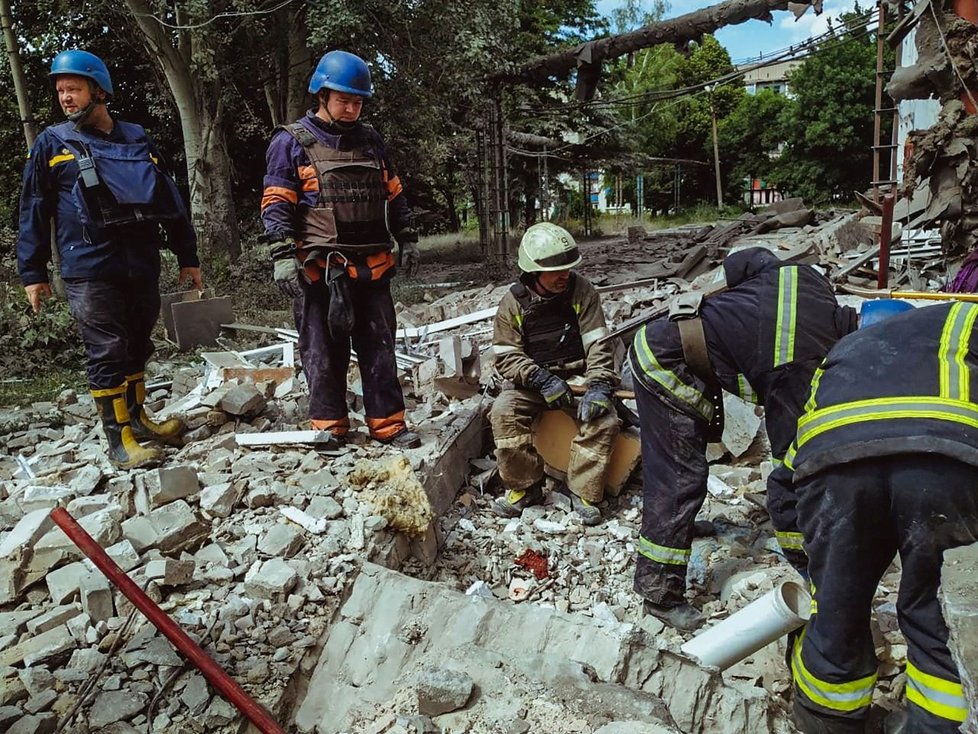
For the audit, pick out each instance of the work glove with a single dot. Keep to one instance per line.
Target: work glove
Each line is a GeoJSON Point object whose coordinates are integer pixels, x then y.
{"type": "Point", "coordinates": [287, 277]}
{"type": "Point", "coordinates": [555, 391]}
{"type": "Point", "coordinates": [409, 256]}
{"type": "Point", "coordinates": [596, 401]}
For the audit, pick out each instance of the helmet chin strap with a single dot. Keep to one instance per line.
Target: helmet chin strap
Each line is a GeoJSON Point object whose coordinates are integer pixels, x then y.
{"type": "Point", "coordinates": [332, 121]}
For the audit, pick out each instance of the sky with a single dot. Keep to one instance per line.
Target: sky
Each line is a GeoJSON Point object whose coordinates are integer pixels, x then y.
{"type": "Point", "coordinates": [755, 37]}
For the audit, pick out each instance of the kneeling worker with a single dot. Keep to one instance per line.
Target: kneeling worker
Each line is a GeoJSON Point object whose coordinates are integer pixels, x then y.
{"type": "Point", "coordinates": [886, 462]}
{"type": "Point", "coordinates": [547, 329]}
{"type": "Point", "coordinates": [762, 340]}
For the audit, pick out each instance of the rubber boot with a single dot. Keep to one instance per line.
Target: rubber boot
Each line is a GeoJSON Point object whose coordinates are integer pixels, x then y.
{"type": "Point", "coordinates": [143, 428]}
{"type": "Point", "coordinates": [124, 451]}
{"type": "Point", "coordinates": [684, 617]}
{"type": "Point", "coordinates": [809, 722]}
{"type": "Point", "coordinates": [590, 514]}
{"type": "Point", "coordinates": [515, 501]}
{"type": "Point", "coordinates": [406, 439]}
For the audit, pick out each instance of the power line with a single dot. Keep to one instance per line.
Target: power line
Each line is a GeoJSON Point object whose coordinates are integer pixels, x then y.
{"type": "Point", "coordinates": [219, 16]}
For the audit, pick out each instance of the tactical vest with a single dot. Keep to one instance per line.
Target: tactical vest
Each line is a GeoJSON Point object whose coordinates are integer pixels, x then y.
{"type": "Point", "coordinates": [551, 330]}
{"type": "Point", "coordinates": [351, 211]}
{"type": "Point", "coordinates": [118, 183]}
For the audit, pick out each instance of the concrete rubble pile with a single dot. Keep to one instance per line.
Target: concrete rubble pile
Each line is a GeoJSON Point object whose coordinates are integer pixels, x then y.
{"type": "Point", "coordinates": [261, 542]}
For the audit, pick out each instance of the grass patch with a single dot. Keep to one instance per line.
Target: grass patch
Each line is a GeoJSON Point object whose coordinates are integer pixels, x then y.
{"type": "Point", "coordinates": [40, 388]}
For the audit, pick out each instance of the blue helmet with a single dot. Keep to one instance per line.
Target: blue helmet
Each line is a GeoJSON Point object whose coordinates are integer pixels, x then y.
{"type": "Point", "coordinates": [344, 72]}
{"type": "Point", "coordinates": [82, 63]}
{"type": "Point", "coordinates": [873, 312]}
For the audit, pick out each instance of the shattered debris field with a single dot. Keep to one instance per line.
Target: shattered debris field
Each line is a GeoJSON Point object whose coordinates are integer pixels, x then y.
{"type": "Point", "coordinates": [357, 588]}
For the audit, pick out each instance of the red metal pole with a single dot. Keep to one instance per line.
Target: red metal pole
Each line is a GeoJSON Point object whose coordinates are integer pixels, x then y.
{"type": "Point", "coordinates": [214, 673]}
{"type": "Point", "coordinates": [886, 233]}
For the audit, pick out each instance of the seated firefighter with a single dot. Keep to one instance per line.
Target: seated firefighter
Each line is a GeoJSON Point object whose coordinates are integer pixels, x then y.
{"type": "Point", "coordinates": [547, 329]}
{"type": "Point", "coordinates": [761, 339]}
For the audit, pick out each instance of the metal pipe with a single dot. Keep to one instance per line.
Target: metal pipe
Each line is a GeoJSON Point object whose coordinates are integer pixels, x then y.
{"type": "Point", "coordinates": [214, 673]}
{"type": "Point", "coordinates": [886, 233]}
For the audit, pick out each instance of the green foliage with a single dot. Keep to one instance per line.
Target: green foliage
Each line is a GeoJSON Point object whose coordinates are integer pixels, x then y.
{"type": "Point", "coordinates": [749, 138]}
{"type": "Point", "coordinates": [829, 126]}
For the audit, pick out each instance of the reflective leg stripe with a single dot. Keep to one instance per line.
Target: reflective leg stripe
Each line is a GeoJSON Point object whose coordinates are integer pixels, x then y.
{"type": "Point", "coordinates": [515, 495]}
{"type": "Point", "coordinates": [790, 541]}
{"type": "Point", "coordinates": [650, 366]}
{"type": "Point", "coordinates": [954, 346]}
{"type": "Point", "coordinates": [745, 391]}
{"type": "Point", "coordinates": [789, 457]}
{"type": "Point", "coordinates": [784, 335]}
{"type": "Point", "coordinates": [663, 554]}
{"type": "Point", "coordinates": [842, 697]}
{"type": "Point", "coordinates": [816, 378]}
{"type": "Point", "coordinates": [941, 697]}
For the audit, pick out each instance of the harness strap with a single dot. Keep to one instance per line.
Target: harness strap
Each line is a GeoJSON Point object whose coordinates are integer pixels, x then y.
{"type": "Point", "coordinates": [697, 357]}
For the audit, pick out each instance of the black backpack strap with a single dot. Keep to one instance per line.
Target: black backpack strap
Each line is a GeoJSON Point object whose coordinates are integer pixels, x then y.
{"type": "Point", "coordinates": [298, 131]}
{"type": "Point", "coordinates": [522, 294]}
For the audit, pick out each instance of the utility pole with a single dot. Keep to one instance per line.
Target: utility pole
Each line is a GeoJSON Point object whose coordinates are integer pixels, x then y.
{"type": "Point", "coordinates": [17, 73]}
{"type": "Point", "coordinates": [716, 149]}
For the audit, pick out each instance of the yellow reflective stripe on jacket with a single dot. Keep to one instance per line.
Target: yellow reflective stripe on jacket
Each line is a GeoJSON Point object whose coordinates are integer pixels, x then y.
{"type": "Point", "coordinates": [941, 697]}
{"type": "Point", "coordinates": [789, 457]}
{"type": "Point", "coordinates": [816, 378]}
{"type": "Point", "coordinates": [784, 335]}
{"type": "Point", "coordinates": [518, 320]}
{"type": "Point", "coordinates": [63, 157]}
{"type": "Point", "coordinates": [912, 407]}
{"type": "Point", "coordinates": [744, 390]}
{"type": "Point", "coordinates": [578, 307]}
{"type": "Point", "coordinates": [955, 338]}
{"type": "Point", "coordinates": [663, 553]}
{"type": "Point", "coordinates": [668, 379]}
{"type": "Point", "coordinates": [790, 541]}
{"type": "Point", "coordinates": [843, 697]}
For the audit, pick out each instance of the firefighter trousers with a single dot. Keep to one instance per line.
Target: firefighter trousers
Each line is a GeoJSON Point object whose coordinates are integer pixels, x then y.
{"type": "Point", "coordinates": [674, 477]}
{"type": "Point", "coordinates": [855, 518]}
{"type": "Point", "coordinates": [325, 360]}
{"type": "Point", "coordinates": [520, 466]}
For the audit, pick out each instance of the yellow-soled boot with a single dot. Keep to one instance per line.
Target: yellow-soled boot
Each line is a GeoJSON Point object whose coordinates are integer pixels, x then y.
{"type": "Point", "coordinates": [143, 427]}
{"type": "Point", "coordinates": [124, 451]}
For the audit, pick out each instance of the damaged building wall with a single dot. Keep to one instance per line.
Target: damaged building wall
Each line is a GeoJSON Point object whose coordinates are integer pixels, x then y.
{"type": "Point", "coordinates": [942, 169]}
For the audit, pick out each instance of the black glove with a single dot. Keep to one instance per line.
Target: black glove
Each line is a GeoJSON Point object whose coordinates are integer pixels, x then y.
{"type": "Point", "coordinates": [409, 256]}
{"type": "Point", "coordinates": [596, 401]}
{"type": "Point", "coordinates": [554, 390]}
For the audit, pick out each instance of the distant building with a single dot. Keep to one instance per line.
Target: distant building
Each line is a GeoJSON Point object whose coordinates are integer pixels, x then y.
{"type": "Point", "coordinates": [773, 77]}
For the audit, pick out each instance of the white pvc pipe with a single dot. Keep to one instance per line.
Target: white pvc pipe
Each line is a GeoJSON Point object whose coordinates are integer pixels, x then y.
{"type": "Point", "coordinates": [782, 610]}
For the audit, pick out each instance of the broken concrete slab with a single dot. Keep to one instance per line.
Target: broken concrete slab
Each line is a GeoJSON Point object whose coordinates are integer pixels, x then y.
{"type": "Point", "coordinates": [959, 602]}
{"type": "Point", "coordinates": [39, 648]}
{"type": "Point", "coordinates": [158, 487]}
{"type": "Point", "coordinates": [198, 322]}
{"type": "Point", "coordinates": [31, 528]}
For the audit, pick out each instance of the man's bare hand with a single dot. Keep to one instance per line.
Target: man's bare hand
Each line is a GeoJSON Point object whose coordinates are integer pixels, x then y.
{"type": "Point", "coordinates": [191, 274]}
{"type": "Point", "coordinates": [37, 293]}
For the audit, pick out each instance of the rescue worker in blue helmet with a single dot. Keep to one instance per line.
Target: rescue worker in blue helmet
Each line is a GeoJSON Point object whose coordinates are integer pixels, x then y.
{"type": "Point", "coordinates": [885, 462]}
{"type": "Point", "coordinates": [761, 339]}
{"type": "Point", "coordinates": [100, 182]}
{"type": "Point", "coordinates": [332, 208]}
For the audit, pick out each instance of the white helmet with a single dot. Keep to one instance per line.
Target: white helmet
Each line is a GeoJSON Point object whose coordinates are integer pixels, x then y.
{"type": "Point", "coordinates": [546, 247]}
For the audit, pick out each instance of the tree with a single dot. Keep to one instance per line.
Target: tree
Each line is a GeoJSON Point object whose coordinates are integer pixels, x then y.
{"type": "Point", "coordinates": [829, 125]}
{"type": "Point", "coordinates": [751, 137]}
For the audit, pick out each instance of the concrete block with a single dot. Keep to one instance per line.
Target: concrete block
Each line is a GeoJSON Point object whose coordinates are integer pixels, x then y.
{"type": "Point", "coordinates": [451, 469]}
{"type": "Point", "coordinates": [112, 706]}
{"type": "Point", "coordinates": [243, 400]}
{"type": "Point", "coordinates": [123, 553]}
{"type": "Point", "coordinates": [103, 526]}
{"type": "Point", "coordinates": [164, 485]}
{"type": "Point", "coordinates": [450, 352]}
{"type": "Point", "coordinates": [65, 582]}
{"type": "Point", "coordinates": [271, 579]}
{"type": "Point", "coordinates": [52, 618]}
{"type": "Point", "coordinates": [83, 506]}
{"type": "Point", "coordinates": [552, 435]}
{"type": "Point", "coordinates": [170, 572]}
{"type": "Point", "coordinates": [281, 541]}
{"type": "Point", "coordinates": [40, 648]}
{"type": "Point", "coordinates": [218, 500]}
{"type": "Point", "coordinates": [166, 307]}
{"type": "Point", "coordinates": [31, 528]}
{"type": "Point", "coordinates": [96, 597]}
{"type": "Point", "coordinates": [43, 498]}
{"type": "Point", "coordinates": [44, 723]}
{"type": "Point", "coordinates": [169, 528]}
{"type": "Point", "coordinates": [441, 691]}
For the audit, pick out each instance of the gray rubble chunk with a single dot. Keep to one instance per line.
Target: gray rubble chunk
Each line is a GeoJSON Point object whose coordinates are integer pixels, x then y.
{"type": "Point", "coordinates": [195, 694]}
{"type": "Point", "coordinates": [219, 499]}
{"type": "Point", "coordinates": [112, 706]}
{"type": "Point", "coordinates": [39, 648]}
{"type": "Point", "coordinates": [171, 572]}
{"type": "Point", "coordinates": [40, 724]}
{"type": "Point", "coordinates": [441, 691]}
{"type": "Point", "coordinates": [270, 579]}
{"type": "Point", "coordinates": [633, 727]}
{"type": "Point", "coordinates": [168, 528]}
{"type": "Point", "coordinates": [281, 541]}
{"type": "Point", "coordinates": [64, 582]}
{"type": "Point", "coordinates": [164, 485]}
{"type": "Point", "coordinates": [243, 400]}
{"type": "Point", "coordinates": [26, 532]}
{"type": "Point", "coordinates": [8, 715]}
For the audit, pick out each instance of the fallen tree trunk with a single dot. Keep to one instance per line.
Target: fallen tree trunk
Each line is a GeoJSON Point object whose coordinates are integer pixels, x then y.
{"type": "Point", "coordinates": [688, 27]}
